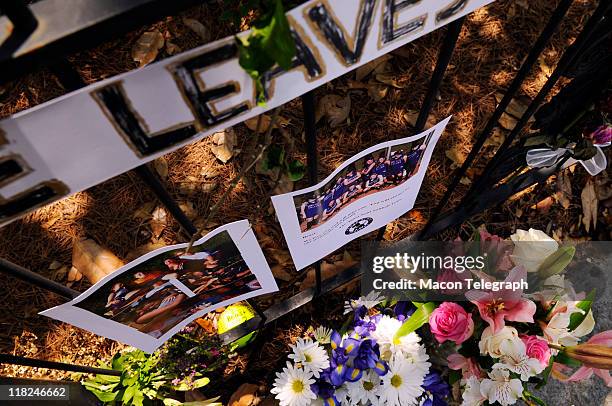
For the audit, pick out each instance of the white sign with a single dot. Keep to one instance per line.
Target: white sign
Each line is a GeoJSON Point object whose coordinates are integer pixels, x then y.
{"type": "Point", "coordinates": [371, 189]}
{"type": "Point", "coordinates": [78, 140]}
{"type": "Point", "coordinates": [147, 301]}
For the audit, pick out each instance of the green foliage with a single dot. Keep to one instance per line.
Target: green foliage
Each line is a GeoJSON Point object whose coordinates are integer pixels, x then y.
{"type": "Point", "coordinates": [276, 159]}
{"type": "Point", "coordinates": [585, 305]}
{"type": "Point", "coordinates": [177, 367]}
{"type": "Point", "coordinates": [269, 43]}
{"type": "Point", "coordinates": [418, 319]}
{"type": "Point", "coordinates": [556, 262]}
{"type": "Point", "coordinates": [532, 399]}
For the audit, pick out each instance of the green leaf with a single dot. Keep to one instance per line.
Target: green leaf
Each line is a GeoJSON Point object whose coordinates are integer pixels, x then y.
{"type": "Point", "coordinates": [546, 373]}
{"type": "Point", "coordinates": [562, 358]}
{"type": "Point", "coordinates": [138, 399]}
{"type": "Point", "coordinates": [102, 395]}
{"type": "Point", "coordinates": [585, 305]}
{"type": "Point", "coordinates": [182, 387]}
{"type": "Point", "coordinates": [296, 170]}
{"type": "Point", "coordinates": [198, 383]}
{"type": "Point", "coordinates": [128, 394]}
{"type": "Point", "coordinates": [171, 402]}
{"type": "Point", "coordinates": [531, 397]}
{"type": "Point", "coordinates": [274, 158]}
{"type": "Point", "coordinates": [555, 263]}
{"type": "Point", "coordinates": [418, 318]}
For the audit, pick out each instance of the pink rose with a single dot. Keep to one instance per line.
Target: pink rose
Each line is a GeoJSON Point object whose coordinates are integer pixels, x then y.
{"type": "Point", "coordinates": [451, 322]}
{"type": "Point", "coordinates": [537, 348]}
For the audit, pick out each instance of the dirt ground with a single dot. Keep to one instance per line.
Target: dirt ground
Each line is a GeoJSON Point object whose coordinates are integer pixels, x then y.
{"type": "Point", "coordinates": [118, 213]}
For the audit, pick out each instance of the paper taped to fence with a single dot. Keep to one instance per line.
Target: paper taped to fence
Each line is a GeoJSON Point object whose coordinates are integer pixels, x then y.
{"type": "Point", "coordinates": [369, 190]}
{"type": "Point", "coordinates": [147, 301]}
{"type": "Point", "coordinates": [83, 138]}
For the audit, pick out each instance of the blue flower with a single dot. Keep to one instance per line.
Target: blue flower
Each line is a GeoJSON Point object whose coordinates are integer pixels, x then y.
{"type": "Point", "coordinates": [436, 388]}
{"type": "Point", "coordinates": [403, 310]}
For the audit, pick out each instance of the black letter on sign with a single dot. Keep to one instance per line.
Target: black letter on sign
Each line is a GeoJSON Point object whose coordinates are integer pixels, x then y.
{"type": "Point", "coordinates": [389, 31]}
{"type": "Point", "coordinates": [451, 10]}
{"type": "Point", "coordinates": [13, 167]}
{"type": "Point", "coordinates": [117, 107]}
{"type": "Point", "coordinates": [335, 34]}
{"type": "Point", "coordinates": [185, 73]}
{"type": "Point", "coordinates": [303, 57]}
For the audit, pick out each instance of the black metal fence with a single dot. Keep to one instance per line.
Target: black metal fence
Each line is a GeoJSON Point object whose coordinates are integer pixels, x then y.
{"type": "Point", "coordinates": [113, 18]}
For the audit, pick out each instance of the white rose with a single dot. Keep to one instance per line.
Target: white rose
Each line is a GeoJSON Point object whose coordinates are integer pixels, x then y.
{"type": "Point", "coordinates": [531, 248]}
{"type": "Point", "coordinates": [491, 344]}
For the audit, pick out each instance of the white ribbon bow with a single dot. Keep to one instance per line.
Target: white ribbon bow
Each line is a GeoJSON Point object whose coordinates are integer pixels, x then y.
{"type": "Point", "coordinates": [541, 157]}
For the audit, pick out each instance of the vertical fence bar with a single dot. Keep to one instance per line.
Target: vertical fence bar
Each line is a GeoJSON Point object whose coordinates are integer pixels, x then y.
{"type": "Point", "coordinates": [26, 275]}
{"type": "Point", "coordinates": [24, 24]}
{"type": "Point", "coordinates": [308, 106]}
{"type": "Point", "coordinates": [40, 363]}
{"type": "Point", "coordinates": [567, 59]}
{"type": "Point", "coordinates": [164, 197]}
{"type": "Point", "coordinates": [531, 59]}
{"type": "Point", "coordinates": [444, 57]}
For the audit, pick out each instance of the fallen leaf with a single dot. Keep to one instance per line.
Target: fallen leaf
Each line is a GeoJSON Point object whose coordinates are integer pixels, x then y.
{"type": "Point", "coordinates": [456, 155]}
{"type": "Point", "coordinates": [209, 173]}
{"type": "Point", "coordinates": [147, 47]}
{"type": "Point", "coordinates": [60, 273]}
{"type": "Point", "coordinates": [589, 206]}
{"type": "Point", "coordinates": [465, 181]}
{"type": "Point", "coordinates": [198, 28]}
{"type": "Point", "coordinates": [74, 275]}
{"type": "Point", "coordinates": [369, 67]}
{"type": "Point", "coordinates": [336, 108]}
{"type": "Point", "coordinates": [224, 143]}
{"type": "Point", "coordinates": [161, 167]}
{"type": "Point", "coordinates": [208, 187]}
{"type": "Point", "coordinates": [564, 190]}
{"type": "Point", "coordinates": [55, 265]}
{"type": "Point", "coordinates": [377, 92]}
{"type": "Point", "coordinates": [207, 325]}
{"type": "Point", "coordinates": [144, 211]}
{"type": "Point", "coordinates": [411, 117]}
{"type": "Point", "coordinates": [94, 261]}
{"type": "Point", "coordinates": [389, 79]}
{"type": "Point", "coordinates": [544, 205]}
{"type": "Point", "coordinates": [544, 67]}
{"type": "Point", "coordinates": [189, 209]}
{"type": "Point", "coordinates": [284, 185]}
{"type": "Point", "coordinates": [251, 123]}
{"type": "Point", "coordinates": [245, 395]}
{"type": "Point", "coordinates": [158, 221]}
{"type": "Point", "coordinates": [328, 270]}
{"type": "Point", "coordinates": [280, 272]}
{"type": "Point", "coordinates": [495, 139]}
{"type": "Point", "coordinates": [507, 121]}
{"type": "Point", "coordinates": [172, 48]}
{"type": "Point", "coordinates": [517, 107]}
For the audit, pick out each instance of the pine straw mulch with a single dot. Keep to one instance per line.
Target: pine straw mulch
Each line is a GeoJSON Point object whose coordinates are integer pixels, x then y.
{"type": "Point", "coordinates": [116, 213]}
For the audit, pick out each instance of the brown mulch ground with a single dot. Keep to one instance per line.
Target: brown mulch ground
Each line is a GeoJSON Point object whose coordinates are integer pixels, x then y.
{"type": "Point", "coordinates": [491, 47]}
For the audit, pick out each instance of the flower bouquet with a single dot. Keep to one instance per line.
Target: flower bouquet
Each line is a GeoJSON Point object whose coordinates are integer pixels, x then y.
{"type": "Point", "coordinates": [379, 360]}
{"type": "Point", "coordinates": [504, 342]}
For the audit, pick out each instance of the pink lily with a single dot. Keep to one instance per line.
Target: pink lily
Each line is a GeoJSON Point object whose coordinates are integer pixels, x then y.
{"type": "Point", "coordinates": [468, 366]}
{"type": "Point", "coordinates": [604, 338]}
{"type": "Point", "coordinates": [505, 304]}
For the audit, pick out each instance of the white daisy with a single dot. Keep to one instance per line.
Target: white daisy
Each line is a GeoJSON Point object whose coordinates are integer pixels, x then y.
{"type": "Point", "coordinates": [365, 390]}
{"type": "Point", "coordinates": [369, 301]}
{"type": "Point", "coordinates": [402, 384]}
{"type": "Point", "coordinates": [292, 386]}
{"type": "Point", "coordinates": [514, 358]}
{"type": "Point", "coordinates": [471, 394]}
{"type": "Point", "coordinates": [342, 394]}
{"type": "Point", "coordinates": [408, 346]}
{"type": "Point", "coordinates": [500, 388]}
{"type": "Point", "coordinates": [323, 334]}
{"type": "Point", "coordinates": [310, 355]}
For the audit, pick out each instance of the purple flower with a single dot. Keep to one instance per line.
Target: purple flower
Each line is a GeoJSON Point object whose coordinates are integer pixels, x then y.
{"type": "Point", "coordinates": [436, 388]}
{"type": "Point", "coordinates": [602, 135]}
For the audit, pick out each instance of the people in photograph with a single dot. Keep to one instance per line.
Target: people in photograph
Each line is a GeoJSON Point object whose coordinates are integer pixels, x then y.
{"type": "Point", "coordinates": [353, 191]}
{"type": "Point", "coordinates": [381, 168]}
{"type": "Point", "coordinates": [368, 166]}
{"type": "Point", "coordinates": [156, 308]}
{"type": "Point", "coordinates": [339, 191]}
{"type": "Point", "coordinates": [310, 211]}
{"type": "Point", "coordinates": [414, 158]}
{"type": "Point", "coordinates": [397, 163]}
{"type": "Point", "coordinates": [328, 203]}
{"type": "Point", "coordinates": [375, 182]}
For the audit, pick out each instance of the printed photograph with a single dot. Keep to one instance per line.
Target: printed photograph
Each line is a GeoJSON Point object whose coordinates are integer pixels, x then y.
{"type": "Point", "coordinates": [162, 291]}
{"type": "Point", "coordinates": [381, 170]}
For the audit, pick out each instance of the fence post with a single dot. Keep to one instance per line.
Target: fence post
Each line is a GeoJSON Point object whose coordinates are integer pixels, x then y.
{"type": "Point", "coordinates": [444, 57]}
{"type": "Point", "coordinates": [40, 363]}
{"type": "Point", "coordinates": [531, 59]}
{"type": "Point", "coordinates": [26, 275]}
{"type": "Point", "coordinates": [308, 106]}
